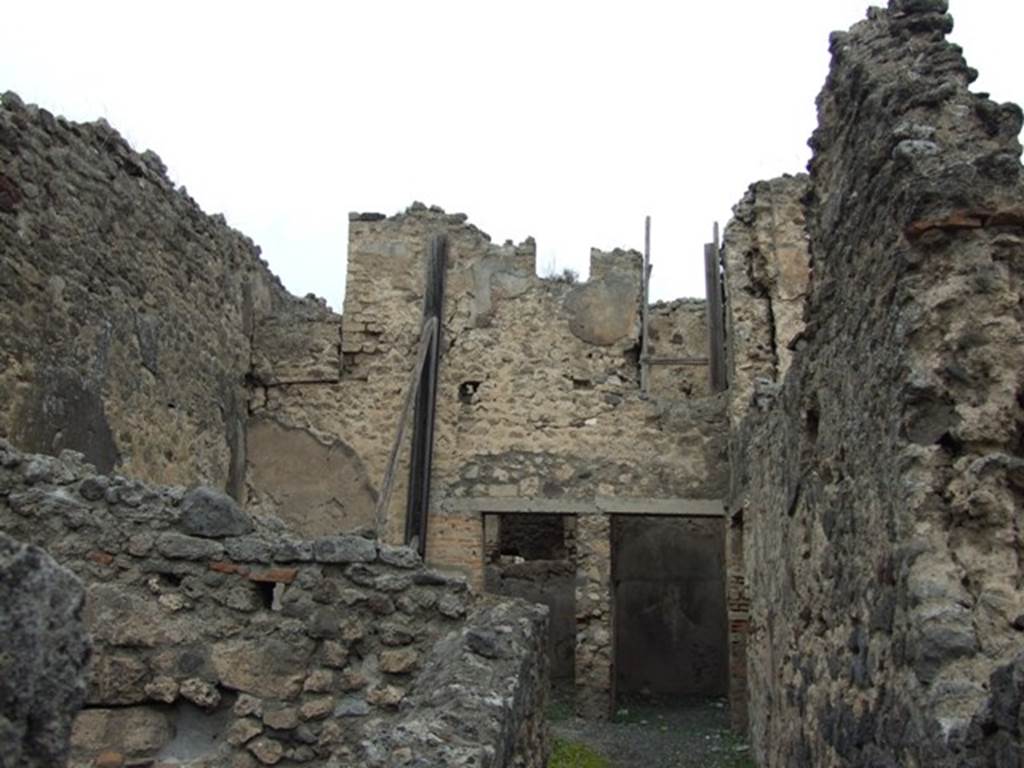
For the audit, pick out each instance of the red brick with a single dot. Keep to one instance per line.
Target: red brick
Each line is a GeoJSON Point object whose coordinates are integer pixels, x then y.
{"type": "Point", "coordinates": [275, 575]}
{"type": "Point", "coordinates": [102, 558]}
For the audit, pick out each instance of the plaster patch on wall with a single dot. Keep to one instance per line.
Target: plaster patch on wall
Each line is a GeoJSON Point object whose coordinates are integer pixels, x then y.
{"type": "Point", "coordinates": [317, 489]}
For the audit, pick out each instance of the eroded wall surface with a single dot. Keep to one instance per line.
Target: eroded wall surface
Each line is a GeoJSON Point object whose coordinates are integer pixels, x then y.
{"type": "Point", "coordinates": [677, 347]}
{"type": "Point", "coordinates": [766, 276]}
{"type": "Point", "coordinates": [880, 490]}
{"type": "Point", "coordinates": [125, 312]}
{"type": "Point", "coordinates": [219, 640]}
{"type": "Point", "coordinates": [766, 269]}
{"type": "Point", "coordinates": [151, 338]}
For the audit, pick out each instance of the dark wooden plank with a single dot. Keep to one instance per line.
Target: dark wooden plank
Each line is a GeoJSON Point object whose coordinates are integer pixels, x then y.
{"type": "Point", "coordinates": [421, 460]}
{"type": "Point", "coordinates": [387, 485]}
{"type": "Point", "coordinates": [716, 329]}
{"type": "Point", "coordinates": [678, 361]}
{"type": "Point", "coordinates": [644, 310]}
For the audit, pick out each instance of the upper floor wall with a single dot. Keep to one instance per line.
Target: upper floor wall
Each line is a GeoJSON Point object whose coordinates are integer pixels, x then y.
{"type": "Point", "coordinates": [539, 392]}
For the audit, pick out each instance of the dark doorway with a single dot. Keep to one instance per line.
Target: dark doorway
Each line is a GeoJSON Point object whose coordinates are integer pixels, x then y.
{"type": "Point", "coordinates": [532, 556]}
{"type": "Point", "coordinates": [668, 577]}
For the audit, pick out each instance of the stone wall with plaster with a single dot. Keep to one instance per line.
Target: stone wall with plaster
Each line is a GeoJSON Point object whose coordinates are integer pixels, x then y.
{"type": "Point", "coordinates": [126, 313]}
{"type": "Point", "coordinates": [539, 402]}
{"type": "Point", "coordinates": [767, 271]}
{"type": "Point", "coordinates": [677, 345]}
{"type": "Point", "coordinates": [223, 639]}
{"type": "Point", "coordinates": [539, 381]}
{"type": "Point", "coordinates": [879, 483]}
{"type": "Point", "coordinates": [766, 276]}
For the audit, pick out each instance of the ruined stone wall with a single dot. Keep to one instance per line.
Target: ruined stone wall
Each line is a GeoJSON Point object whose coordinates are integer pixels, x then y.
{"type": "Point", "coordinates": [539, 383]}
{"type": "Point", "coordinates": [766, 263]}
{"type": "Point", "coordinates": [879, 488]}
{"type": "Point", "coordinates": [220, 639]}
{"type": "Point", "coordinates": [766, 269]}
{"type": "Point", "coordinates": [539, 406]}
{"type": "Point", "coordinates": [677, 345]}
{"type": "Point", "coordinates": [125, 312]}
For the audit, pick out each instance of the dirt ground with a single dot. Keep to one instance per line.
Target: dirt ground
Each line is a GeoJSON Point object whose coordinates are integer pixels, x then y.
{"type": "Point", "coordinates": [680, 734]}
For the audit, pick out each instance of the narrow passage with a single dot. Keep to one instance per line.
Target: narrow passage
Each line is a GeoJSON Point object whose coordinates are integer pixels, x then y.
{"type": "Point", "coordinates": [643, 735]}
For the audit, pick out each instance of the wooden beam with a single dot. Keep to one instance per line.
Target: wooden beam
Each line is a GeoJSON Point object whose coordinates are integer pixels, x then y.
{"type": "Point", "coordinates": [716, 325]}
{"type": "Point", "coordinates": [600, 505]}
{"type": "Point", "coordinates": [644, 311]}
{"type": "Point", "coordinates": [427, 334]}
{"type": "Point", "coordinates": [677, 361]}
{"type": "Point", "coordinates": [421, 461]}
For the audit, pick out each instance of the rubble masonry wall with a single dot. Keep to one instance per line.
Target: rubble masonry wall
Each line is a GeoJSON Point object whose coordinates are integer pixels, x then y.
{"type": "Point", "coordinates": [223, 640]}
{"type": "Point", "coordinates": [126, 313]}
{"type": "Point", "coordinates": [878, 484]}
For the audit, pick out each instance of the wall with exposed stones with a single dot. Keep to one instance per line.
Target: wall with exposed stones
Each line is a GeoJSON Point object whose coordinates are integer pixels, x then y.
{"type": "Point", "coordinates": [766, 273]}
{"type": "Point", "coordinates": [150, 337]}
{"type": "Point", "coordinates": [539, 408]}
{"type": "Point", "coordinates": [878, 484]}
{"type": "Point", "coordinates": [539, 383]}
{"type": "Point", "coordinates": [766, 270]}
{"type": "Point", "coordinates": [223, 639]}
{"type": "Point", "coordinates": [126, 313]}
{"type": "Point", "coordinates": [677, 349]}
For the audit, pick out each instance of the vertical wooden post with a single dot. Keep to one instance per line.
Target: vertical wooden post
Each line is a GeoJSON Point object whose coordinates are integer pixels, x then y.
{"type": "Point", "coordinates": [716, 325]}
{"type": "Point", "coordinates": [645, 369]}
{"type": "Point", "coordinates": [427, 335]}
{"type": "Point", "coordinates": [426, 399]}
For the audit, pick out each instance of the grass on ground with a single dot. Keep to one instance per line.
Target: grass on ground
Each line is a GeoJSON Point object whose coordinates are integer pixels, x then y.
{"type": "Point", "coordinates": [573, 754]}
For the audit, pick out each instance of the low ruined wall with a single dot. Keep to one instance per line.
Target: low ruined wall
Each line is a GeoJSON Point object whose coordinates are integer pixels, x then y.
{"type": "Point", "coordinates": [879, 488]}
{"type": "Point", "coordinates": [327, 651]}
{"type": "Point", "coordinates": [126, 313]}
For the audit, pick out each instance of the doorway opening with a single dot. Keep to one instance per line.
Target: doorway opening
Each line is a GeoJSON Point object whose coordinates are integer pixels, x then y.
{"type": "Point", "coordinates": [669, 611]}
{"type": "Point", "coordinates": [532, 556]}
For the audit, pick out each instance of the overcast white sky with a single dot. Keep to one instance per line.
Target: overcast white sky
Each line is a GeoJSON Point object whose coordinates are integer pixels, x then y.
{"type": "Point", "coordinates": [568, 121]}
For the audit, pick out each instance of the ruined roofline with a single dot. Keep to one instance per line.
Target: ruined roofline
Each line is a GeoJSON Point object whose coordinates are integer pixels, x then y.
{"type": "Point", "coordinates": [680, 301]}
{"type": "Point", "coordinates": [602, 261]}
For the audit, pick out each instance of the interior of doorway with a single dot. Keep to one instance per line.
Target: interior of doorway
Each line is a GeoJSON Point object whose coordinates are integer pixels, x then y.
{"type": "Point", "coordinates": [533, 556]}
{"type": "Point", "coordinates": [669, 610]}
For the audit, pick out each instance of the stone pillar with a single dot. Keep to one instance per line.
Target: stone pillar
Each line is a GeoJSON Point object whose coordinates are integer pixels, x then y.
{"type": "Point", "coordinates": [593, 616]}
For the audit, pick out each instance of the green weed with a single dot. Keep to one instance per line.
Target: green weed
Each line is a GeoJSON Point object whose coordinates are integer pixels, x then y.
{"type": "Point", "coordinates": [573, 754]}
